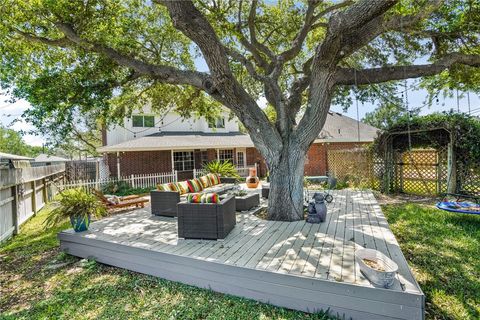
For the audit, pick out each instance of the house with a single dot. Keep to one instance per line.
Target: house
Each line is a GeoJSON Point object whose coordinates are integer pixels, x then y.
{"type": "Point", "coordinates": [150, 143]}
{"type": "Point", "coordinates": [8, 160]}
{"type": "Point", "coordinates": [47, 160]}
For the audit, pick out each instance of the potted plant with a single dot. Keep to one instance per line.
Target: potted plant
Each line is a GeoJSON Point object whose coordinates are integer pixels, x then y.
{"type": "Point", "coordinates": [77, 205]}
{"type": "Point", "coordinates": [223, 169]}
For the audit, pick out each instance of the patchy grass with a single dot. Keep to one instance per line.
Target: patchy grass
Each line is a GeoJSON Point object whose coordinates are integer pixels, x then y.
{"type": "Point", "coordinates": [443, 250]}
{"type": "Point", "coordinates": [39, 282]}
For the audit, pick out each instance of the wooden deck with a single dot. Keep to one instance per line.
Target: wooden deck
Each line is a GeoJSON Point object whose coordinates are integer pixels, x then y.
{"type": "Point", "coordinates": [292, 264]}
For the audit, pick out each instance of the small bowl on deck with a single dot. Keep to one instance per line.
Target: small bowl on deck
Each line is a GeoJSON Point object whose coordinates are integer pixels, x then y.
{"type": "Point", "coordinates": [377, 267]}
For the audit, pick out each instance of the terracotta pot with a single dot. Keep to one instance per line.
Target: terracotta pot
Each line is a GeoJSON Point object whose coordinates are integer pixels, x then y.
{"type": "Point", "coordinates": [252, 179]}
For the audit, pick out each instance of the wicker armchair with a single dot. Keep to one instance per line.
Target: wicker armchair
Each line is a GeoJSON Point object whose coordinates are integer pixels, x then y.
{"type": "Point", "coordinates": [206, 220]}
{"type": "Point", "coordinates": [164, 203]}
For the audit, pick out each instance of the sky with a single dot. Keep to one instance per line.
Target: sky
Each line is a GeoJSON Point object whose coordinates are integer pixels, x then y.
{"type": "Point", "coordinates": [9, 112]}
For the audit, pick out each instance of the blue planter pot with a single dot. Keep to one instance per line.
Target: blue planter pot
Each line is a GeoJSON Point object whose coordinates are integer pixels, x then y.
{"type": "Point", "coordinates": [80, 223]}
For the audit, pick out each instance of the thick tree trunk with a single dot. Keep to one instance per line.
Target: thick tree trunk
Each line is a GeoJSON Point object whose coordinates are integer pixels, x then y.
{"type": "Point", "coordinates": [285, 201]}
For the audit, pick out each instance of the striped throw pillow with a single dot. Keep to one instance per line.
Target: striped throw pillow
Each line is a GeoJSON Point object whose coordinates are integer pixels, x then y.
{"type": "Point", "coordinates": [214, 179]}
{"type": "Point", "coordinates": [194, 197]}
{"type": "Point", "coordinates": [193, 186]}
{"type": "Point", "coordinates": [167, 187]}
{"type": "Point", "coordinates": [209, 198]}
{"type": "Point", "coordinates": [199, 183]}
{"type": "Point", "coordinates": [205, 181]}
{"type": "Point", "coordinates": [182, 187]}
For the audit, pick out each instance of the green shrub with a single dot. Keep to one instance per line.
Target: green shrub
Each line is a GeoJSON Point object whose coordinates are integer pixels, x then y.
{"type": "Point", "coordinates": [74, 202]}
{"type": "Point", "coordinates": [116, 187]}
{"type": "Point", "coordinates": [130, 191]}
{"type": "Point", "coordinates": [222, 168]}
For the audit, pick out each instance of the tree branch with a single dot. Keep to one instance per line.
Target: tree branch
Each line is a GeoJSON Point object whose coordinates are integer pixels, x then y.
{"type": "Point", "coordinates": [327, 55]}
{"type": "Point", "coordinates": [251, 27]}
{"type": "Point", "coordinates": [194, 25]}
{"type": "Point", "coordinates": [165, 74]}
{"type": "Point", "coordinates": [309, 24]}
{"type": "Point", "coordinates": [245, 62]}
{"type": "Point", "coordinates": [346, 76]}
{"type": "Point", "coordinates": [374, 28]}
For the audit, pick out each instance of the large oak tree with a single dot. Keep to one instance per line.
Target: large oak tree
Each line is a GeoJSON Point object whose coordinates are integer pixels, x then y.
{"type": "Point", "coordinates": [99, 59]}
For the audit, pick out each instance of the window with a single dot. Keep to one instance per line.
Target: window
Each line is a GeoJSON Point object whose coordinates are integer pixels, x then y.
{"type": "Point", "coordinates": [225, 155]}
{"type": "Point", "coordinates": [183, 160]}
{"type": "Point", "coordinates": [217, 123]}
{"type": "Point", "coordinates": [240, 159]}
{"type": "Point", "coordinates": [141, 121]}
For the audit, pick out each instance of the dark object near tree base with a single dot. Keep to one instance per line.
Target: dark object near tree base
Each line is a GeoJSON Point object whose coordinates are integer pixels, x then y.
{"type": "Point", "coordinates": [317, 209]}
{"type": "Point", "coordinates": [247, 202]}
{"type": "Point", "coordinates": [206, 220]}
{"type": "Point", "coordinates": [265, 191]}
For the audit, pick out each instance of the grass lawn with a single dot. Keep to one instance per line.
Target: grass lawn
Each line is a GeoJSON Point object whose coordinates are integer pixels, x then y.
{"type": "Point", "coordinates": [39, 282]}
{"type": "Point", "coordinates": [443, 250]}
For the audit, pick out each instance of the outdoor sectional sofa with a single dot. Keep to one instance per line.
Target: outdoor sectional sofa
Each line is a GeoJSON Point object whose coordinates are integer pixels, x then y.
{"type": "Point", "coordinates": [206, 220]}
{"type": "Point", "coordinates": [164, 203]}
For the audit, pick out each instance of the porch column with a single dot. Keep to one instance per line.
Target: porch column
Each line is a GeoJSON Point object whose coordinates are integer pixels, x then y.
{"type": "Point", "coordinates": [118, 165]}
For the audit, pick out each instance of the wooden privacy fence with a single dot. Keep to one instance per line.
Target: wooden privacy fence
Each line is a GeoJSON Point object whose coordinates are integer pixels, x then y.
{"type": "Point", "coordinates": [134, 181]}
{"type": "Point", "coordinates": [23, 192]}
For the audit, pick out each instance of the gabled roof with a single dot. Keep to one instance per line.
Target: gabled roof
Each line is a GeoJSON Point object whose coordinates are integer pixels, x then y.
{"type": "Point", "coordinates": [181, 140]}
{"type": "Point", "coordinates": [338, 128]}
{"type": "Point", "coordinates": [49, 158]}
{"type": "Point", "coordinates": [8, 156]}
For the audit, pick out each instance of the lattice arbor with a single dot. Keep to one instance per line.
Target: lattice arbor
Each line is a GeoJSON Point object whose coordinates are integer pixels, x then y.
{"type": "Point", "coordinates": [421, 171]}
{"type": "Point", "coordinates": [432, 155]}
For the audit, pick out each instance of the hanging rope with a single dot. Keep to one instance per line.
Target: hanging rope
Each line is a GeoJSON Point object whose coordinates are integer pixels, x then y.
{"type": "Point", "coordinates": [356, 103]}
{"type": "Point", "coordinates": [409, 134]}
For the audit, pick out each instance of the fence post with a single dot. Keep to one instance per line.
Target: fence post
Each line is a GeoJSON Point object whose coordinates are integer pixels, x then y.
{"type": "Point", "coordinates": [175, 176]}
{"type": "Point", "coordinates": [15, 206]}
{"type": "Point", "coordinates": [44, 190]}
{"type": "Point", "coordinates": [132, 181]}
{"type": "Point", "coordinates": [34, 197]}
{"type": "Point", "coordinates": [194, 173]}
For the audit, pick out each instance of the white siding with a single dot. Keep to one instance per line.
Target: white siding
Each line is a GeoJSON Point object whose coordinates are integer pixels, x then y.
{"type": "Point", "coordinates": [170, 122]}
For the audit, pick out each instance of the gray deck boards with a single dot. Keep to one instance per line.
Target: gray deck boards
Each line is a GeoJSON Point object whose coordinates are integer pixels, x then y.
{"type": "Point", "coordinates": [292, 264]}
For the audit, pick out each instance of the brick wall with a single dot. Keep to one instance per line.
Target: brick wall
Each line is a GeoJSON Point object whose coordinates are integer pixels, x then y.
{"type": "Point", "coordinates": [144, 162]}
{"type": "Point", "coordinates": [141, 162]}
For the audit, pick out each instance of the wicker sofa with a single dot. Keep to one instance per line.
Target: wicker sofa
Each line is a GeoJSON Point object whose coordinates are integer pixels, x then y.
{"type": "Point", "coordinates": [164, 203]}
{"type": "Point", "coordinates": [206, 220]}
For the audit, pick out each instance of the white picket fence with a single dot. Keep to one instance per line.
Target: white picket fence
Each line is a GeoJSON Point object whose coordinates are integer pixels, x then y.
{"type": "Point", "coordinates": [242, 172]}
{"type": "Point", "coordinates": [134, 180]}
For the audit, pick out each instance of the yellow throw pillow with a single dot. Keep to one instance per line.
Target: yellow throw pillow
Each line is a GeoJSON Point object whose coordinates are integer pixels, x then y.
{"type": "Point", "coordinates": [205, 181]}
{"type": "Point", "coordinates": [182, 187]}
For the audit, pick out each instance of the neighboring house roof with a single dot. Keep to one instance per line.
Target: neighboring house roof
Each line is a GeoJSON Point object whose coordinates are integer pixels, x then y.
{"type": "Point", "coordinates": [178, 140]}
{"type": "Point", "coordinates": [8, 156]}
{"type": "Point", "coordinates": [48, 158]}
{"type": "Point", "coordinates": [338, 128]}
